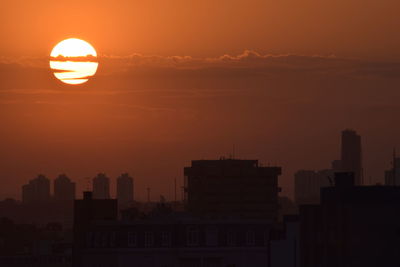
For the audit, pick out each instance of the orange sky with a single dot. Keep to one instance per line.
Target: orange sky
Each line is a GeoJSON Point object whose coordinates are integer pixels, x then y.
{"type": "Point", "coordinates": [175, 83]}
{"type": "Point", "coordinates": [350, 28]}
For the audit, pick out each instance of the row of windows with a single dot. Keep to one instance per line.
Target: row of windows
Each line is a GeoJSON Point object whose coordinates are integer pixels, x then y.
{"type": "Point", "coordinates": [107, 239]}
{"type": "Point", "coordinates": [149, 239]}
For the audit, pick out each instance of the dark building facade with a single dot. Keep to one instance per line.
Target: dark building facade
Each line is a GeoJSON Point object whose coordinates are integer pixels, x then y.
{"type": "Point", "coordinates": [232, 188]}
{"type": "Point", "coordinates": [64, 188]}
{"type": "Point", "coordinates": [27, 245]}
{"type": "Point", "coordinates": [353, 226]}
{"type": "Point", "coordinates": [37, 190]}
{"type": "Point", "coordinates": [175, 241]}
{"type": "Point", "coordinates": [351, 155]}
{"type": "Point", "coordinates": [124, 189]}
{"type": "Point", "coordinates": [308, 184]}
{"type": "Point", "coordinates": [86, 212]}
{"type": "Point", "coordinates": [101, 187]}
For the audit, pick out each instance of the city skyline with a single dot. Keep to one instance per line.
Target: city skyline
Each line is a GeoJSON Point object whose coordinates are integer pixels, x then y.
{"type": "Point", "coordinates": [335, 165]}
{"type": "Point", "coordinates": [199, 133]}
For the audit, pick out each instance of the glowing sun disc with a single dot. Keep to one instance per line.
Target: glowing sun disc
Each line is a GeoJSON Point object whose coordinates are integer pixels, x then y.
{"type": "Point", "coordinates": [73, 61]}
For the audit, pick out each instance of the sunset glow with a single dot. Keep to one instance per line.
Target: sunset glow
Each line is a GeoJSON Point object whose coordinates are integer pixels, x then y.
{"type": "Point", "coordinates": [74, 61]}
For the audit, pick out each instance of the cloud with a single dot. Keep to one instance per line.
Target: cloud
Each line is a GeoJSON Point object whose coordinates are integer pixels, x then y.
{"type": "Point", "coordinates": [248, 59]}
{"type": "Point", "coordinates": [88, 58]}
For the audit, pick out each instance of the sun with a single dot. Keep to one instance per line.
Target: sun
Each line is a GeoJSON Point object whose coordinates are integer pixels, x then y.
{"type": "Point", "coordinates": [73, 61]}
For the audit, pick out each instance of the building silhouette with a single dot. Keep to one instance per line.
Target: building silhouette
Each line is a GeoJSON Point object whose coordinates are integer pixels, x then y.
{"type": "Point", "coordinates": [37, 190]}
{"type": "Point", "coordinates": [232, 188]}
{"type": "Point", "coordinates": [101, 187]}
{"type": "Point", "coordinates": [353, 226]}
{"type": "Point", "coordinates": [87, 212]}
{"type": "Point", "coordinates": [166, 238]}
{"type": "Point", "coordinates": [351, 155]}
{"type": "Point", "coordinates": [284, 243]}
{"type": "Point", "coordinates": [64, 188]}
{"type": "Point", "coordinates": [124, 189]}
{"type": "Point", "coordinates": [308, 184]}
{"type": "Point", "coordinates": [32, 245]}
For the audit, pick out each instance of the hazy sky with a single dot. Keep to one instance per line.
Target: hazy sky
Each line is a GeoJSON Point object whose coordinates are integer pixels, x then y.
{"type": "Point", "coordinates": [351, 28]}
{"type": "Point", "coordinates": [183, 80]}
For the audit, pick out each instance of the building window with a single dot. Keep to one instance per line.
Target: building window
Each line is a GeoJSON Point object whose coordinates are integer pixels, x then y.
{"type": "Point", "coordinates": [165, 239]}
{"type": "Point", "coordinates": [132, 239]}
{"type": "Point", "coordinates": [192, 236]}
{"type": "Point", "coordinates": [250, 238]}
{"type": "Point", "coordinates": [231, 238]}
{"type": "Point", "coordinates": [212, 236]}
{"type": "Point", "coordinates": [148, 239]}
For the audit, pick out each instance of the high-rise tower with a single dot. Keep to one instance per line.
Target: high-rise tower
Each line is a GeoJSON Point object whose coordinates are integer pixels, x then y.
{"type": "Point", "coordinates": [64, 189]}
{"type": "Point", "coordinates": [351, 155]}
{"type": "Point", "coordinates": [37, 190]}
{"type": "Point", "coordinates": [101, 187]}
{"type": "Point", "coordinates": [124, 189]}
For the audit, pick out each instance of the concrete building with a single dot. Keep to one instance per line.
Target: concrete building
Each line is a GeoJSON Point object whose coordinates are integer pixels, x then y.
{"type": "Point", "coordinates": [284, 244]}
{"type": "Point", "coordinates": [101, 187]}
{"type": "Point", "coordinates": [351, 155]}
{"type": "Point", "coordinates": [124, 190]}
{"type": "Point", "coordinates": [37, 190]}
{"type": "Point", "coordinates": [308, 184]}
{"type": "Point", "coordinates": [232, 188]}
{"type": "Point", "coordinates": [353, 226]}
{"type": "Point", "coordinates": [64, 188]}
{"type": "Point", "coordinates": [87, 211]}
{"type": "Point", "coordinates": [175, 240]}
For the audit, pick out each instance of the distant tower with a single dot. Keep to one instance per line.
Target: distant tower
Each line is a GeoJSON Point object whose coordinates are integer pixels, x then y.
{"type": "Point", "coordinates": [64, 189]}
{"type": "Point", "coordinates": [101, 187]}
{"type": "Point", "coordinates": [37, 190]}
{"type": "Point", "coordinates": [351, 156]}
{"type": "Point", "coordinates": [124, 189]}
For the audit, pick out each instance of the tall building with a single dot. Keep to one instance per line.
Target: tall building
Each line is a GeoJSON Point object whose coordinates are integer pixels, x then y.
{"type": "Point", "coordinates": [308, 184]}
{"type": "Point", "coordinates": [351, 155]}
{"type": "Point", "coordinates": [353, 226]}
{"type": "Point", "coordinates": [64, 189]}
{"type": "Point", "coordinates": [86, 212]}
{"type": "Point", "coordinates": [124, 189]}
{"type": "Point", "coordinates": [37, 190]}
{"type": "Point", "coordinates": [232, 188]}
{"type": "Point", "coordinates": [101, 187]}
